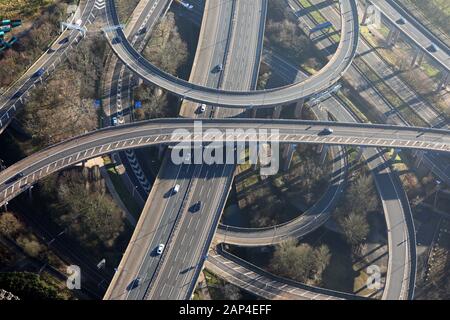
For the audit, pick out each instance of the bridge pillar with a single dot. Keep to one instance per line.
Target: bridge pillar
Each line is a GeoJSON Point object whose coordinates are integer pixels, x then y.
{"type": "Point", "coordinates": [323, 155]}
{"type": "Point", "coordinates": [371, 16]}
{"type": "Point", "coordinates": [288, 153]}
{"type": "Point", "coordinates": [277, 112]}
{"type": "Point", "coordinates": [299, 108]}
{"type": "Point", "coordinates": [160, 151]}
{"type": "Point", "coordinates": [419, 157]}
{"type": "Point", "coordinates": [443, 83]}
{"type": "Point", "coordinates": [360, 151]}
{"type": "Point", "coordinates": [418, 57]}
{"type": "Point", "coordinates": [393, 36]}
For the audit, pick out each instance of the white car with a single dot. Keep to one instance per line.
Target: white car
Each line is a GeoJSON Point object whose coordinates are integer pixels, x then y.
{"type": "Point", "coordinates": [79, 22]}
{"type": "Point", "coordinates": [176, 188]}
{"type": "Point", "coordinates": [160, 249]}
{"type": "Point", "coordinates": [187, 5]}
{"type": "Point", "coordinates": [202, 108]}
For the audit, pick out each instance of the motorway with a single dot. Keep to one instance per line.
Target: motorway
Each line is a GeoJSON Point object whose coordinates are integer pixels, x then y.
{"type": "Point", "coordinates": [54, 55]}
{"type": "Point", "coordinates": [325, 78]}
{"type": "Point", "coordinates": [228, 23]}
{"type": "Point", "coordinates": [417, 138]}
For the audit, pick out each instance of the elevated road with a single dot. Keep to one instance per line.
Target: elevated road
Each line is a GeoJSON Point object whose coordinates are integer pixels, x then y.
{"type": "Point", "coordinates": [325, 78]}
{"type": "Point", "coordinates": [264, 284]}
{"type": "Point", "coordinates": [414, 30]}
{"type": "Point", "coordinates": [155, 132]}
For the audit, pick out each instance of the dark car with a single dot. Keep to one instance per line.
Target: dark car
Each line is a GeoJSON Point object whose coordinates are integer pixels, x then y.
{"type": "Point", "coordinates": [326, 132]}
{"type": "Point", "coordinates": [15, 178]}
{"type": "Point", "coordinates": [39, 73]}
{"type": "Point", "coordinates": [432, 48]}
{"type": "Point", "coordinates": [195, 207]}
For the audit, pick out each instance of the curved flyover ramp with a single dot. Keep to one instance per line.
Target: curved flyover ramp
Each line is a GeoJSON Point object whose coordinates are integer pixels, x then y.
{"type": "Point", "coordinates": [26, 172]}
{"type": "Point", "coordinates": [307, 222]}
{"type": "Point", "coordinates": [324, 79]}
{"type": "Point", "coordinates": [265, 284]}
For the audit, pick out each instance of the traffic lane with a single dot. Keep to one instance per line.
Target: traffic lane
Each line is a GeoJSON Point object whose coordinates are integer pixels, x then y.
{"type": "Point", "coordinates": [210, 52]}
{"type": "Point", "coordinates": [147, 233]}
{"type": "Point", "coordinates": [170, 212]}
{"type": "Point", "coordinates": [186, 258]}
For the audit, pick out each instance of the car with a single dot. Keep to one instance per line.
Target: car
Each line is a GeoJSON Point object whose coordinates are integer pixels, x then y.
{"type": "Point", "coordinates": [142, 30]}
{"type": "Point", "coordinates": [134, 284]}
{"type": "Point", "coordinates": [432, 48]}
{"type": "Point", "coordinates": [114, 121]}
{"type": "Point", "coordinates": [176, 188]}
{"type": "Point", "coordinates": [195, 207]}
{"type": "Point", "coordinates": [218, 68]}
{"type": "Point", "coordinates": [63, 41]}
{"type": "Point", "coordinates": [160, 249]}
{"type": "Point", "coordinates": [15, 178]}
{"type": "Point", "coordinates": [326, 131]}
{"type": "Point", "coordinates": [39, 72]}
{"type": "Point", "coordinates": [187, 5]}
{"type": "Point", "coordinates": [116, 40]}
{"type": "Point", "coordinates": [202, 108]}
{"type": "Point", "coordinates": [79, 22]}
{"type": "Point", "coordinates": [400, 21]}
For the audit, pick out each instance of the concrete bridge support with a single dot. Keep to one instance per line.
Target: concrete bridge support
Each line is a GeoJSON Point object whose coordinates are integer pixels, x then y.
{"type": "Point", "coordinates": [419, 157]}
{"type": "Point", "coordinates": [287, 155]}
{"type": "Point", "coordinates": [371, 16]}
{"type": "Point", "coordinates": [323, 154]}
{"type": "Point", "coordinates": [418, 57]}
{"type": "Point", "coordinates": [443, 83]}
{"type": "Point", "coordinates": [298, 109]}
{"type": "Point", "coordinates": [277, 112]}
{"type": "Point", "coordinates": [393, 36]}
{"type": "Point", "coordinates": [359, 153]}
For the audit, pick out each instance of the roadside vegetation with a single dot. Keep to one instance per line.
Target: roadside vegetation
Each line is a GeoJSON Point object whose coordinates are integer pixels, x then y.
{"type": "Point", "coordinates": [284, 35]}
{"type": "Point", "coordinates": [437, 11]}
{"type": "Point", "coordinates": [301, 262]}
{"type": "Point", "coordinates": [268, 201]}
{"type": "Point", "coordinates": [31, 286]}
{"type": "Point", "coordinates": [166, 50]}
{"type": "Point", "coordinates": [352, 213]}
{"type": "Point", "coordinates": [63, 105]}
{"type": "Point", "coordinates": [215, 288]}
{"type": "Point", "coordinates": [77, 200]}
{"type": "Point", "coordinates": [40, 27]}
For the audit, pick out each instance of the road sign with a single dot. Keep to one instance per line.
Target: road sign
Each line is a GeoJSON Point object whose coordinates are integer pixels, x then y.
{"type": "Point", "coordinates": [101, 264]}
{"type": "Point", "coordinates": [137, 104]}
